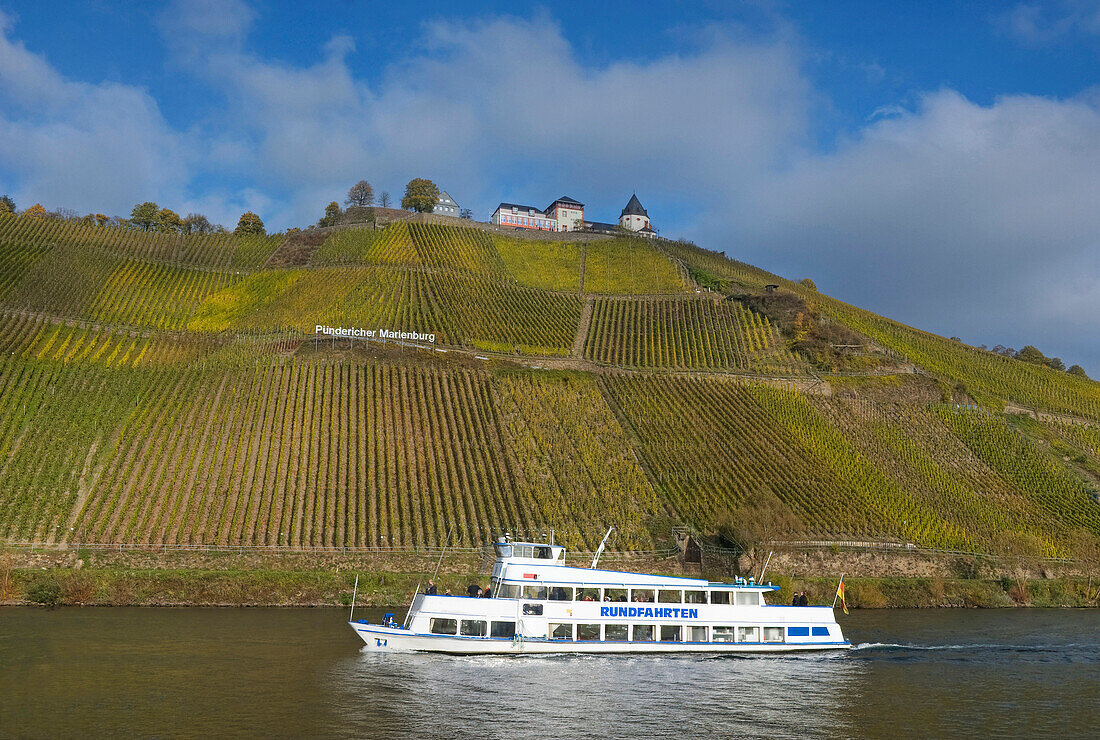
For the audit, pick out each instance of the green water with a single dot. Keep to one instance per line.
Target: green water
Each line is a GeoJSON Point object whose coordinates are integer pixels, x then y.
{"type": "Point", "coordinates": [299, 673]}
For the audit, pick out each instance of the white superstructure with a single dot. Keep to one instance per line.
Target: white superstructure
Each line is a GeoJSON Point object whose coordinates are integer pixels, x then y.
{"type": "Point", "coordinates": [540, 605]}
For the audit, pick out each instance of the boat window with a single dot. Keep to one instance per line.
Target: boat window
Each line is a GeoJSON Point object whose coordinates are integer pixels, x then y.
{"type": "Point", "coordinates": [798, 632]}
{"type": "Point", "coordinates": [510, 591]}
{"type": "Point", "coordinates": [719, 597]}
{"type": "Point", "coordinates": [536, 593]}
{"type": "Point", "coordinates": [642, 632]}
{"type": "Point", "coordinates": [444, 626]}
{"type": "Point", "coordinates": [665, 596]}
{"type": "Point", "coordinates": [561, 593]}
{"type": "Point", "coordinates": [615, 632]}
{"type": "Point", "coordinates": [503, 550]}
{"type": "Point", "coordinates": [532, 610]}
{"type": "Point", "coordinates": [561, 631]}
{"type": "Point", "coordinates": [614, 594]}
{"type": "Point", "coordinates": [670, 633]}
{"type": "Point", "coordinates": [722, 634]}
{"type": "Point", "coordinates": [695, 597]}
{"type": "Point", "coordinates": [473, 627]}
{"type": "Point", "coordinates": [503, 629]}
{"type": "Point", "coordinates": [773, 634]}
{"type": "Point", "coordinates": [696, 634]}
{"type": "Point", "coordinates": [588, 594]}
{"type": "Point", "coordinates": [820, 631]}
{"type": "Point", "coordinates": [748, 634]}
{"type": "Point", "coordinates": [641, 594]}
{"type": "Point", "coordinates": [544, 553]}
{"type": "Point", "coordinates": [748, 598]}
{"type": "Point", "coordinates": [588, 631]}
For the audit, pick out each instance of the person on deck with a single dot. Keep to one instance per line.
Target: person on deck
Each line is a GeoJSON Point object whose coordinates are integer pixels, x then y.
{"type": "Point", "coordinates": [797, 595]}
{"type": "Point", "coordinates": [802, 600]}
{"type": "Point", "coordinates": [431, 590]}
{"type": "Point", "coordinates": [486, 593]}
{"type": "Point", "coordinates": [473, 591]}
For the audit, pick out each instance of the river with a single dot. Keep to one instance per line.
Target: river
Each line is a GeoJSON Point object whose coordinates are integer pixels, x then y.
{"type": "Point", "coordinates": [193, 672]}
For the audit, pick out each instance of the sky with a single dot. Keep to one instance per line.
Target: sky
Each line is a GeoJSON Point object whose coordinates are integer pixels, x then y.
{"type": "Point", "coordinates": [935, 162]}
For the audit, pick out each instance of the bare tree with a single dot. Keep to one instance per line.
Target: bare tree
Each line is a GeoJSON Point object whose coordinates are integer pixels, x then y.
{"type": "Point", "coordinates": [361, 194]}
{"type": "Point", "coordinates": [1021, 552]}
{"type": "Point", "coordinates": [384, 199]}
{"type": "Point", "coordinates": [751, 528]}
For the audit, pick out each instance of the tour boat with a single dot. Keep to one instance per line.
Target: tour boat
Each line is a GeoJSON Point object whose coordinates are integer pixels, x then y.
{"type": "Point", "coordinates": [538, 604]}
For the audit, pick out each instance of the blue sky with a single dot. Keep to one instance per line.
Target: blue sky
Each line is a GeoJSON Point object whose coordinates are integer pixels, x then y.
{"type": "Point", "coordinates": [935, 162]}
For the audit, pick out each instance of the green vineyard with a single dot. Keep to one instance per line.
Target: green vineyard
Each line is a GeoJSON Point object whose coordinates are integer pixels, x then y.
{"type": "Point", "coordinates": [166, 389]}
{"type": "Point", "coordinates": [685, 333]}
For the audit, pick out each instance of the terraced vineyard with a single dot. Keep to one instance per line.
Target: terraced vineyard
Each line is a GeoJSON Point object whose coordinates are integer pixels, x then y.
{"type": "Point", "coordinates": [165, 389]}
{"type": "Point", "coordinates": [212, 251]}
{"type": "Point", "coordinates": [685, 333]}
{"type": "Point", "coordinates": [630, 266]}
{"type": "Point", "coordinates": [542, 264]}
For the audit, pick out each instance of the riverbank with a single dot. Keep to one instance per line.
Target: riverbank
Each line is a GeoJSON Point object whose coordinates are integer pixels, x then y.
{"type": "Point", "coordinates": [136, 581]}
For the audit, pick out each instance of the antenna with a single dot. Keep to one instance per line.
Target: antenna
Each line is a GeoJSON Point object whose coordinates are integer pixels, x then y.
{"type": "Point", "coordinates": [354, 592]}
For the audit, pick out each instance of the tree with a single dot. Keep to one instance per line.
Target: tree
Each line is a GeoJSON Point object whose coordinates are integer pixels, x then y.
{"type": "Point", "coordinates": [168, 221]}
{"type": "Point", "coordinates": [384, 199]}
{"type": "Point", "coordinates": [332, 215]}
{"type": "Point", "coordinates": [36, 211]}
{"type": "Point", "coordinates": [101, 219]}
{"type": "Point", "coordinates": [1021, 551]}
{"type": "Point", "coordinates": [751, 528]}
{"type": "Point", "coordinates": [196, 223]}
{"type": "Point", "coordinates": [1077, 370]}
{"type": "Point", "coordinates": [249, 223]}
{"type": "Point", "coordinates": [144, 216]}
{"type": "Point", "coordinates": [1087, 549]}
{"type": "Point", "coordinates": [420, 195]}
{"type": "Point", "coordinates": [361, 194]}
{"type": "Point", "coordinates": [7, 205]}
{"type": "Point", "coordinates": [1055, 363]}
{"type": "Point", "coordinates": [1031, 354]}
{"type": "Point", "coordinates": [807, 282]}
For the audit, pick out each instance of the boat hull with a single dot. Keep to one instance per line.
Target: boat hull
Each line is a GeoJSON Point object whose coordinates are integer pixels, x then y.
{"type": "Point", "coordinates": [378, 638]}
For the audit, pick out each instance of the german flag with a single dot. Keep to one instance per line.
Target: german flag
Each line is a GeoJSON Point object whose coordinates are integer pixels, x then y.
{"type": "Point", "coordinates": [840, 595]}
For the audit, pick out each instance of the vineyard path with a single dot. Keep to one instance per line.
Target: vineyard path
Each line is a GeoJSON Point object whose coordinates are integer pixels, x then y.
{"type": "Point", "coordinates": [583, 324]}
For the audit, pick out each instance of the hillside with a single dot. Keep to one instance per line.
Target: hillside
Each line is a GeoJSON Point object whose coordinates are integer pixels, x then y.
{"type": "Point", "coordinates": [166, 389]}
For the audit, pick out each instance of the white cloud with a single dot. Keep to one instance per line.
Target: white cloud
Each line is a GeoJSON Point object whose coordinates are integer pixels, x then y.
{"type": "Point", "coordinates": [80, 145]}
{"type": "Point", "coordinates": [973, 220]}
{"type": "Point", "coordinates": [1044, 23]}
{"type": "Point", "coordinates": [507, 99]}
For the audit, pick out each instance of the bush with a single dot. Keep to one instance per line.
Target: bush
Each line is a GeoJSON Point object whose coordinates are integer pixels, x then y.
{"type": "Point", "coordinates": [46, 592]}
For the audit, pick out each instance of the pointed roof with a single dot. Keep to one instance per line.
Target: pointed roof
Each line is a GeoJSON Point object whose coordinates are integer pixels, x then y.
{"type": "Point", "coordinates": [633, 208]}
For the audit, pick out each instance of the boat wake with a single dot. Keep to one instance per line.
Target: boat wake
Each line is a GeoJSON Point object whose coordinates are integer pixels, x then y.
{"type": "Point", "coordinates": [897, 646]}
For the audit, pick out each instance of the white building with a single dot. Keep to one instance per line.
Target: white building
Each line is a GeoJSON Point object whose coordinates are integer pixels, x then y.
{"type": "Point", "coordinates": [635, 218]}
{"type": "Point", "coordinates": [566, 214]}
